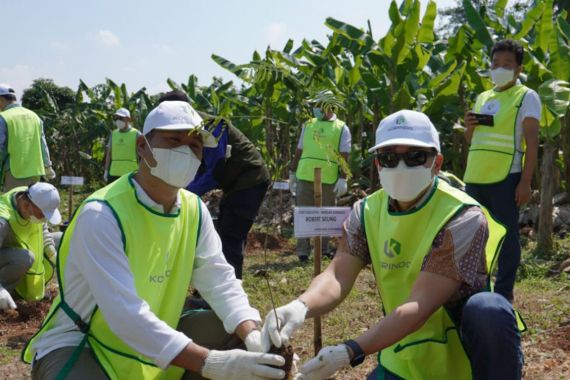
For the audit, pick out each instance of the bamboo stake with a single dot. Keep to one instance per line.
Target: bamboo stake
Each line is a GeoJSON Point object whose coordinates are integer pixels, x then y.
{"type": "Point", "coordinates": [318, 194]}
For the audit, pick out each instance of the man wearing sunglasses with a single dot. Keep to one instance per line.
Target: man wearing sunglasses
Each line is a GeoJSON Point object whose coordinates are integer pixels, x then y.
{"type": "Point", "coordinates": [429, 245]}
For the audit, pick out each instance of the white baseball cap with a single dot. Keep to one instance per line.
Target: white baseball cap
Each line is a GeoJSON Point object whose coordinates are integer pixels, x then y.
{"type": "Point", "coordinates": [123, 112]}
{"type": "Point", "coordinates": [406, 127]}
{"type": "Point", "coordinates": [46, 197]}
{"type": "Point", "coordinates": [6, 89]}
{"type": "Point", "coordinates": [177, 116]}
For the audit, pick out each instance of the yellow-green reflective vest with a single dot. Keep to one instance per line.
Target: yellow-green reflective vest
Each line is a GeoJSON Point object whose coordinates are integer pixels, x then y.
{"type": "Point", "coordinates": [398, 244]}
{"type": "Point", "coordinates": [493, 148]}
{"type": "Point", "coordinates": [160, 249]}
{"type": "Point", "coordinates": [321, 143]}
{"type": "Point", "coordinates": [123, 152]}
{"type": "Point", "coordinates": [24, 142]}
{"type": "Point", "coordinates": [28, 236]}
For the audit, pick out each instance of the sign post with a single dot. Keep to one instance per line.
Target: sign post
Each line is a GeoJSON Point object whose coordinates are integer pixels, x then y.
{"type": "Point", "coordinates": [318, 190]}
{"type": "Point", "coordinates": [71, 181]}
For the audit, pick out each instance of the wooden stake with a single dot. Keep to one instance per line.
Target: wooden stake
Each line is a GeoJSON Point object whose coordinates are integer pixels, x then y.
{"type": "Point", "coordinates": [70, 203]}
{"type": "Point", "coordinates": [318, 191]}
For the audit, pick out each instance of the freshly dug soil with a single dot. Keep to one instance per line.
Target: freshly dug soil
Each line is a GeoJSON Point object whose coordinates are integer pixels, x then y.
{"type": "Point", "coordinates": [287, 352]}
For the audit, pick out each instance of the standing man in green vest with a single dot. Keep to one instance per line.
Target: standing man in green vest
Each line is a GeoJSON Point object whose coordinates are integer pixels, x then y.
{"type": "Point", "coordinates": [502, 156]}
{"type": "Point", "coordinates": [24, 155]}
{"type": "Point", "coordinates": [325, 140]}
{"type": "Point", "coordinates": [431, 247]}
{"type": "Point", "coordinates": [124, 267]}
{"type": "Point", "coordinates": [121, 155]}
{"type": "Point", "coordinates": [25, 241]}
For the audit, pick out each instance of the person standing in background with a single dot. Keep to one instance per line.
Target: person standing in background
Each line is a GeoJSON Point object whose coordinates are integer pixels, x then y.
{"type": "Point", "coordinates": [24, 154]}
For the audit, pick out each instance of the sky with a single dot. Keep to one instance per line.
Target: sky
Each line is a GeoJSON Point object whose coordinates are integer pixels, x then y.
{"type": "Point", "coordinates": [144, 42]}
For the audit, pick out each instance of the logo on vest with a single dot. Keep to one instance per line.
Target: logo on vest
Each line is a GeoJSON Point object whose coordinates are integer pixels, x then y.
{"type": "Point", "coordinates": [392, 248]}
{"type": "Point", "coordinates": [160, 278]}
{"type": "Point", "coordinates": [318, 134]}
{"type": "Point", "coordinates": [491, 107]}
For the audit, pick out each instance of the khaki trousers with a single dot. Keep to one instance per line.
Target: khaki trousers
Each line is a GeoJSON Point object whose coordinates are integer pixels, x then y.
{"type": "Point", "coordinates": [11, 182]}
{"type": "Point", "coordinates": [202, 326]}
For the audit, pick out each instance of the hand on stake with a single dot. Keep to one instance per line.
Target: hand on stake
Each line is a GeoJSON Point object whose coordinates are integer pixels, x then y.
{"type": "Point", "coordinates": [240, 364]}
{"type": "Point", "coordinates": [291, 317]}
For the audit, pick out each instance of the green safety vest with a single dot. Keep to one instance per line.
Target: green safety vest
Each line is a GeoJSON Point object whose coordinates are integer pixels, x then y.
{"type": "Point", "coordinates": [160, 249]}
{"type": "Point", "coordinates": [29, 236]}
{"type": "Point", "coordinates": [123, 152]}
{"type": "Point", "coordinates": [492, 149]}
{"type": "Point", "coordinates": [321, 143]}
{"type": "Point", "coordinates": [398, 244]}
{"type": "Point", "coordinates": [24, 142]}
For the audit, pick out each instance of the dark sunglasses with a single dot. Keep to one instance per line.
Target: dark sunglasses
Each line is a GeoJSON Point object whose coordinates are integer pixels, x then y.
{"type": "Point", "coordinates": [411, 158]}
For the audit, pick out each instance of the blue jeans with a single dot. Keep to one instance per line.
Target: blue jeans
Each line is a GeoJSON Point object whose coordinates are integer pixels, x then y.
{"type": "Point", "coordinates": [237, 213]}
{"type": "Point", "coordinates": [499, 199]}
{"type": "Point", "coordinates": [490, 337]}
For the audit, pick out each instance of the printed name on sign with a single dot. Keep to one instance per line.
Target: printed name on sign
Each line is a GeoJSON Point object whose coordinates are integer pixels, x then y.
{"type": "Point", "coordinates": [280, 185]}
{"type": "Point", "coordinates": [73, 181]}
{"type": "Point", "coordinates": [319, 221]}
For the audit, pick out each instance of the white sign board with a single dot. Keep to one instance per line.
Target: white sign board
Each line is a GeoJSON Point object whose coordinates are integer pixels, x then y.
{"type": "Point", "coordinates": [319, 221]}
{"type": "Point", "coordinates": [74, 181]}
{"type": "Point", "coordinates": [280, 185]}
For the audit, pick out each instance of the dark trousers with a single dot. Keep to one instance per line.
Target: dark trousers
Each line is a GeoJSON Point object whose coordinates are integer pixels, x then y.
{"type": "Point", "coordinates": [237, 213]}
{"type": "Point", "coordinates": [499, 199]}
{"type": "Point", "coordinates": [490, 337]}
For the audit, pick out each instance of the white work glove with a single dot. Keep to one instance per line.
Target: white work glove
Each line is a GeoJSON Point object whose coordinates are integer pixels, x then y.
{"type": "Point", "coordinates": [329, 360]}
{"type": "Point", "coordinates": [240, 364]}
{"type": "Point", "coordinates": [256, 342]}
{"type": "Point", "coordinates": [106, 176]}
{"type": "Point", "coordinates": [291, 317]}
{"type": "Point", "coordinates": [6, 301]}
{"type": "Point", "coordinates": [51, 253]}
{"type": "Point", "coordinates": [292, 183]}
{"type": "Point", "coordinates": [50, 174]}
{"type": "Point", "coordinates": [341, 187]}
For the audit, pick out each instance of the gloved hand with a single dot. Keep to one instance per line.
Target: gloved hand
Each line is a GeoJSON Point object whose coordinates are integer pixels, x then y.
{"type": "Point", "coordinates": [240, 364]}
{"type": "Point", "coordinates": [51, 253]}
{"type": "Point", "coordinates": [291, 317]}
{"type": "Point", "coordinates": [329, 360]}
{"type": "Point", "coordinates": [106, 176]}
{"type": "Point", "coordinates": [50, 174]}
{"type": "Point", "coordinates": [256, 342]}
{"type": "Point", "coordinates": [292, 183]}
{"type": "Point", "coordinates": [341, 187]}
{"type": "Point", "coordinates": [6, 301]}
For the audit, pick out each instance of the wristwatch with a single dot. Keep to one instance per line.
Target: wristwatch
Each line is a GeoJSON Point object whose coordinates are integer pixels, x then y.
{"type": "Point", "coordinates": [359, 355]}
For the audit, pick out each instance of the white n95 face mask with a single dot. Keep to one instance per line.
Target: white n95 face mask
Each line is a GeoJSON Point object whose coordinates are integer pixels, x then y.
{"type": "Point", "coordinates": [177, 167]}
{"type": "Point", "coordinates": [405, 183]}
{"type": "Point", "coordinates": [501, 76]}
{"type": "Point", "coordinates": [120, 124]}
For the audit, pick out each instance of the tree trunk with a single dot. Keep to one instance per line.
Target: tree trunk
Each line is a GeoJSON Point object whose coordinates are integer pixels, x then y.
{"type": "Point", "coordinates": [565, 146]}
{"type": "Point", "coordinates": [544, 241]}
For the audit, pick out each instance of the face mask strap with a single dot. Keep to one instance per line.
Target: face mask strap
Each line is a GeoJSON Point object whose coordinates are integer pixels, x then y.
{"type": "Point", "coordinates": [151, 152]}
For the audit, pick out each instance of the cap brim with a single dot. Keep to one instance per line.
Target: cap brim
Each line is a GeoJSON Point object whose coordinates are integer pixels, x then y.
{"type": "Point", "coordinates": [54, 218]}
{"type": "Point", "coordinates": [208, 139]}
{"type": "Point", "coordinates": [410, 142]}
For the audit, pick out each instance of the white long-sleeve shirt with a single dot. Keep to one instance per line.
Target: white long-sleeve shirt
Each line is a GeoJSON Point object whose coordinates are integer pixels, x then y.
{"type": "Point", "coordinates": [98, 273]}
